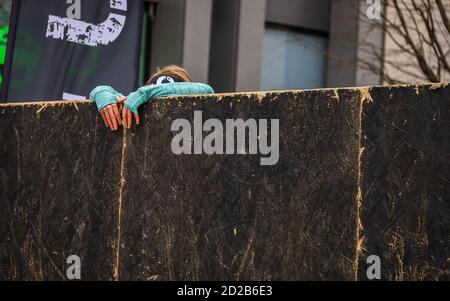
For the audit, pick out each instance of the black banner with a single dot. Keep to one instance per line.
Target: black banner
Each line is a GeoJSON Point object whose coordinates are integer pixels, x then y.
{"type": "Point", "coordinates": [62, 49]}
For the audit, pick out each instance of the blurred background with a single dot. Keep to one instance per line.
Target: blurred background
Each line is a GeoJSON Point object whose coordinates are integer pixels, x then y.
{"type": "Point", "coordinates": [251, 45]}
{"type": "Point", "coordinates": [5, 11]}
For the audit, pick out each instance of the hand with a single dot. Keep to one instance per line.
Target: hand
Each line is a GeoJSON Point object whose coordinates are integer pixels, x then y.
{"type": "Point", "coordinates": [127, 114]}
{"type": "Point", "coordinates": [111, 116]}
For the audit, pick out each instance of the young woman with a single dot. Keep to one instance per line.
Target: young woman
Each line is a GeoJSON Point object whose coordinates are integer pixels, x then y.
{"type": "Point", "coordinates": [117, 109]}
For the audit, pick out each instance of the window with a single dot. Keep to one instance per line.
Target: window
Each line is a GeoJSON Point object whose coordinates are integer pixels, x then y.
{"type": "Point", "coordinates": [293, 60]}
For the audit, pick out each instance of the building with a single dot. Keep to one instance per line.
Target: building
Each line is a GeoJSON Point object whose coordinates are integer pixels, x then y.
{"type": "Point", "coordinates": [248, 45]}
{"type": "Point", "coordinates": [252, 45]}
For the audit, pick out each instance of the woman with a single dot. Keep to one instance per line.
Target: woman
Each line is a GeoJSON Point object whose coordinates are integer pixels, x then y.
{"type": "Point", "coordinates": [117, 109]}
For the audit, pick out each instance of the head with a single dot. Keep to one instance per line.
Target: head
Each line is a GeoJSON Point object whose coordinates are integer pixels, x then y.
{"type": "Point", "coordinates": [169, 74]}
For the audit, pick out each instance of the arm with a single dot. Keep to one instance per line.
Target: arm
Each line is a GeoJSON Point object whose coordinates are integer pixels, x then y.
{"type": "Point", "coordinates": [147, 93]}
{"type": "Point", "coordinates": [106, 99]}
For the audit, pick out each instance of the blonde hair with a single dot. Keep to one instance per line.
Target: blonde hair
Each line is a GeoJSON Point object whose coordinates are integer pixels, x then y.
{"type": "Point", "coordinates": [171, 70]}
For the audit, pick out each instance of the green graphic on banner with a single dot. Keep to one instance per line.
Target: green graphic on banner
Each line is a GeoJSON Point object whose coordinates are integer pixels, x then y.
{"type": "Point", "coordinates": [26, 60]}
{"type": "Point", "coordinates": [3, 41]}
{"type": "Point", "coordinates": [5, 12]}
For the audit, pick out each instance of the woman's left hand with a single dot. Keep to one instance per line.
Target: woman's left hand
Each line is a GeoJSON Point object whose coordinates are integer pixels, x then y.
{"type": "Point", "coordinates": [127, 118]}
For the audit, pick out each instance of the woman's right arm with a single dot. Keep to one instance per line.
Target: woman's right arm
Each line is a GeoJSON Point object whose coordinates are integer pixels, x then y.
{"type": "Point", "coordinates": [107, 99]}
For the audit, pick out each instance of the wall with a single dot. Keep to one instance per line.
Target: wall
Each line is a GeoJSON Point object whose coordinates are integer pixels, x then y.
{"type": "Point", "coordinates": [361, 172]}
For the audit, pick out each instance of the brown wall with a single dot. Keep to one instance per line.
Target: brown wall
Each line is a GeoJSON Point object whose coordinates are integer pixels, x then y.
{"type": "Point", "coordinates": [361, 172]}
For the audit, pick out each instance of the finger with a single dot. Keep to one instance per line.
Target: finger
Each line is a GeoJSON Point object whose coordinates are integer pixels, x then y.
{"type": "Point", "coordinates": [104, 118]}
{"type": "Point", "coordinates": [113, 118]}
{"type": "Point", "coordinates": [124, 117]}
{"type": "Point", "coordinates": [121, 99]}
{"type": "Point", "coordinates": [136, 117]}
{"type": "Point", "coordinates": [108, 119]}
{"type": "Point", "coordinates": [116, 114]}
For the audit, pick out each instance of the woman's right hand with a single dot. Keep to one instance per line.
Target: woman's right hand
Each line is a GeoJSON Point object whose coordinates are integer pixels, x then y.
{"type": "Point", "coordinates": [127, 118]}
{"type": "Point", "coordinates": [111, 116]}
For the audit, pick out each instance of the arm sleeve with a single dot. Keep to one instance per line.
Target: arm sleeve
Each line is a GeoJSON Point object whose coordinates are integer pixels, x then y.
{"type": "Point", "coordinates": [148, 93]}
{"type": "Point", "coordinates": [104, 96]}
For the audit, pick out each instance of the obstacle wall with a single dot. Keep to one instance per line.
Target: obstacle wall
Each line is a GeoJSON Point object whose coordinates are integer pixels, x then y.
{"type": "Point", "coordinates": [361, 172]}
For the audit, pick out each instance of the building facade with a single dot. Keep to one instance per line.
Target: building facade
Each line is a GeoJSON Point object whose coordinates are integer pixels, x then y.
{"type": "Point", "coordinates": [250, 45]}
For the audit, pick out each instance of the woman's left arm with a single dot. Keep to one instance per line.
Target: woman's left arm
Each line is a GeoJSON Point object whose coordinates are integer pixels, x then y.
{"type": "Point", "coordinates": [147, 93]}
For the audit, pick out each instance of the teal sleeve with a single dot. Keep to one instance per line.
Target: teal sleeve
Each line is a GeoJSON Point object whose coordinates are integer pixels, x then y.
{"type": "Point", "coordinates": [148, 93]}
{"type": "Point", "coordinates": [104, 96]}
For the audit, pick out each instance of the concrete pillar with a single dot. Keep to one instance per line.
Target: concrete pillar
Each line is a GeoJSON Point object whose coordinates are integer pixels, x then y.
{"type": "Point", "coordinates": [197, 35]}
{"type": "Point", "coordinates": [181, 35]}
{"type": "Point", "coordinates": [167, 34]}
{"type": "Point", "coordinates": [249, 51]}
{"type": "Point", "coordinates": [353, 39]}
{"type": "Point", "coordinates": [236, 44]}
{"type": "Point", "coordinates": [343, 43]}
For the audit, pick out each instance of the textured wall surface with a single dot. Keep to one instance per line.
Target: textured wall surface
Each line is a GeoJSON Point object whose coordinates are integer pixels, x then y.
{"type": "Point", "coordinates": [361, 172]}
{"type": "Point", "coordinates": [405, 210]}
{"type": "Point", "coordinates": [59, 191]}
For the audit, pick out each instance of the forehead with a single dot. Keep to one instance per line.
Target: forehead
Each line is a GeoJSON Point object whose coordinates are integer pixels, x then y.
{"type": "Point", "coordinates": [164, 79]}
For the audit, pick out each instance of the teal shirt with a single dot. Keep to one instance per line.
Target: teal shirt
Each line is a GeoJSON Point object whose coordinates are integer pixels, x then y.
{"type": "Point", "coordinates": [103, 95]}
